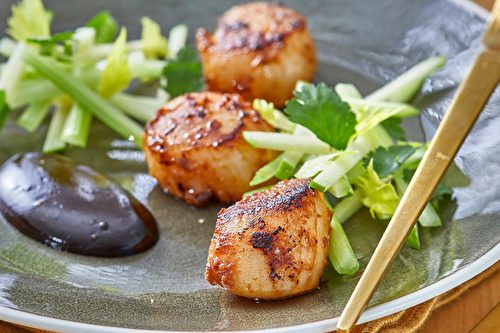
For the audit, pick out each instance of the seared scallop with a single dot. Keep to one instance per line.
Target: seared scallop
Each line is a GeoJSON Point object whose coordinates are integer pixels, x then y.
{"type": "Point", "coordinates": [258, 50]}
{"type": "Point", "coordinates": [272, 244]}
{"type": "Point", "coordinates": [195, 148]}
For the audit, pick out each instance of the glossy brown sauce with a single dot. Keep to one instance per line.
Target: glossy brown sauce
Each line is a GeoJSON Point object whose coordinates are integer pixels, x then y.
{"type": "Point", "coordinates": [71, 207]}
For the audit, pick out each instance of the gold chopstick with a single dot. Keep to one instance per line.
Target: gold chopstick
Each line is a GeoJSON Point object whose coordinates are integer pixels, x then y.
{"type": "Point", "coordinates": [463, 111]}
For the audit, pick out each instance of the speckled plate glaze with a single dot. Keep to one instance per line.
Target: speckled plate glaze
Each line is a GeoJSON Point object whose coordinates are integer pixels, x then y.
{"type": "Point", "coordinates": [363, 42]}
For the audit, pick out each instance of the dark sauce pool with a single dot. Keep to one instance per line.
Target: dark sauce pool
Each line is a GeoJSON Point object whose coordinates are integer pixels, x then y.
{"type": "Point", "coordinates": [71, 207]}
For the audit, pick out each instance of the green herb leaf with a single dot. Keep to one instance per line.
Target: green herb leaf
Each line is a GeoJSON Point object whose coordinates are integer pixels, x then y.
{"type": "Point", "coordinates": [55, 38]}
{"type": "Point", "coordinates": [4, 108]}
{"type": "Point", "coordinates": [105, 26]}
{"type": "Point", "coordinates": [184, 74]}
{"type": "Point", "coordinates": [442, 189]}
{"type": "Point", "coordinates": [393, 127]}
{"type": "Point", "coordinates": [387, 160]}
{"type": "Point", "coordinates": [323, 112]}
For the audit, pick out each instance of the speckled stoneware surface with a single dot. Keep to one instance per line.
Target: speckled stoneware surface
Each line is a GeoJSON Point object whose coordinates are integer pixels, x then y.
{"type": "Point", "coordinates": [363, 42]}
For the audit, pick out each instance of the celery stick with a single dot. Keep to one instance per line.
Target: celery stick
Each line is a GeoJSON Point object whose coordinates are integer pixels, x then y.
{"type": "Point", "coordinates": [361, 145]}
{"type": "Point", "coordinates": [413, 239]}
{"type": "Point", "coordinates": [101, 108]}
{"type": "Point", "coordinates": [289, 162]}
{"type": "Point", "coordinates": [7, 46]}
{"type": "Point", "coordinates": [348, 206]}
{"type": "Point", "coordinates": [346, 90]}
{"type": "Point", "coordinates": [139, 107]}
{"type": "Point", "coordinates": [12, 72]}
{"type": "Point", "coordinates": [32, 90]}
{"type": "Point", "coordinates": [283, 141]}
{"type": "Point", "coordinates": [4, 108]}
{"type": "Point", "coordinates": [341, 188]}
{"type": "Point", "coordinates": [341, 253]}
{"type": "Point", "coordinates": [405, 86]}
{"type": "Point", "coordinates": [53, 140]}
{"type": "Point", "coordinates": [429, 217]}
{"type": "Point", "coordinates": [33, 116]}
{"type": "Point", "coordinates": [77, 126]}
{"type": "Point", "coordinates": [267, 171]}
{"type": "Point", "coordinates": [177, 38]}
{"type": "Point", "coordinates": [396, 109]}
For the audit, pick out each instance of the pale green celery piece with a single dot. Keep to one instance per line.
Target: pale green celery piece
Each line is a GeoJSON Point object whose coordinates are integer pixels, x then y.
{"type": "Point", "coordinates": [413, 161]}
{"type": "Point", "coordinates": [33, 116]}
{"type": "Point", "coordinates": [413, 239]}
{"type": "Point", "coordinates": [405, 86]}
{"type": "Point", "coordinates": [429, 217]}
{"type": "Point", "coordinates": [7, 46]}
{"type": "Point", "coordinates": [154, 44]}
{"type": "Point", "coordinates": [315, 165]}
{"type": "Point", "coordinates": [300, 84]}
{"type": "Point", "coordinates": [288, 163]}
{"type": "Point", "coordinates": [53, 142]}
{"type": "Point", "coordinates": [83, 39]}
{"type": "Point", "coordinates": [396, 109]}
{"type": "Point", "coordinates": [140, 67]}
{"type": "Point", "coordinates": [101, 108]}
{"type": "Point", "coordinates": [11, 74]}
{"type": "Point", "coordinates": [357, 171]}
{"type": "Point", "coordinates": [139, 107]}
{"type": "Point", "coordinates": [348, 206]}
{"type": "Point", "coordinates": [116, 75]}
{"type": "Point", "coordinates": [99, 52]}
{"type": "Point", "coordinates": [274, 117]}
{"type": "Point", "coordinates": [341, 253]}
{"type": "Point", "coordinates": [29, 18]}
{"type": "Point", "coordinates": [246, 194]}
{"type": "Point", "coordinates": [177, 38]}
{"type": "Point", "coordinates": [284, 141]}
{"type": "Point", "coordinates": [371, 139]}
{"type": "Point", "coordinates": [347, 90]}
{"type": "Point", "coordinates": [267, 171]}
{"type": "Point", "coordinates": [76, 127]}
{"type": "Point", "coordinates": [341, 188]}
{"type": "Point", "coordinates": [33, 90]}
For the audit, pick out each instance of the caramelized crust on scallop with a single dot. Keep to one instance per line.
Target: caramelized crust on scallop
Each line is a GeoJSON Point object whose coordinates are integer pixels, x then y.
{"type": "Point", "coordinates": [272, 244]}
{"type": "Point", "coordinates": [195, 148]}
{"type": "Point", "coordinates": [259, 50]}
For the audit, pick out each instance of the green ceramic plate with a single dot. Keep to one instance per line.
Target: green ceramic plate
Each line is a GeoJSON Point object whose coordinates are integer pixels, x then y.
{"type": "Point", "coordinates": [363, 42]}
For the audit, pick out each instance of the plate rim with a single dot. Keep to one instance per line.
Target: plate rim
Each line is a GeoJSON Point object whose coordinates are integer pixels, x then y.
{"type": "Point", "coordinates": [462, 275]}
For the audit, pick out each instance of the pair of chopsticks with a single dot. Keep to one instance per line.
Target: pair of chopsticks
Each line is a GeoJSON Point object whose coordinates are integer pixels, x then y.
{"type": "Point", "coordinates": [471, 96]}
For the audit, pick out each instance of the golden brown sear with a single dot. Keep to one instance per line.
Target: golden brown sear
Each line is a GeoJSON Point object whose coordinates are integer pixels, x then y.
{"type": "Point", "coordinates": [272, 244]}
{"type": "Point", "coordinates": [195, 149]}
{"type": "Point", "coordinates": [259, 50]}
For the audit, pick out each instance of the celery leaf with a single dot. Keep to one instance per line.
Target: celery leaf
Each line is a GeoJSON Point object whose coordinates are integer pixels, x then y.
{"type": "Point", "coordinates": [116, 76]}
{"type": "Point", "coordinates": [319, 109]}
{"type": "Point", "coordinates": [387, 160]}
{"type": "Point", "coordinates": [183, 74]}
{"type": "Point", "coordinates": [105, 27]}
{"type": "Point", "coordinates": [380, 198]}
{"type": "Point", "coordinates": [154, 44]}
{"type": "Point", "coordinates": [29, 18]}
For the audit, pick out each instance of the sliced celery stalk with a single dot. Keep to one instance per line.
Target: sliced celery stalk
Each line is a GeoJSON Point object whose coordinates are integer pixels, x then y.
{"type": "Point", "coordinates": [284, 141]}
{"type": "Point", "coordinates": [348, 206]}
{"type": "Point", "coordinates": [346, 90]}
{"type": "Point", "coordinates": [413, 239]}
{"type": "Point", "coordinates": [33, 116]}
{"type": "Point", "coordinates": [139, 107]}
{"type": "Point", "coordinates": [12, 72]}
{"type": "Point", "coordinates": [361, 145]}
{"type": "Point", "coordinates": [341, 188]}
{"type": "Point", "coordinates": [266, 172]}
{"type": "Point", "coordinates": [32, 90]}
{"type": "Point", "coordinates": [289, 162]}
{"type": "Point", "coordinates": [101, 108]}
{"type": "Point", "coordinates": [341, 253]}
{"type": "Point", "coordinates": [405, 86]}
{"type": "Point", "coordinates": [7, 46]}
{"type": "Point", "coordinates": [53, 140]}
{"type": "Point", "coordinates": [177, 38]}
{"type": "Point", "coordinates": [77, 126]}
